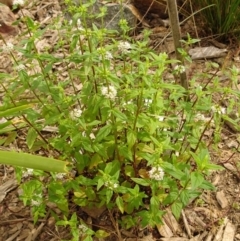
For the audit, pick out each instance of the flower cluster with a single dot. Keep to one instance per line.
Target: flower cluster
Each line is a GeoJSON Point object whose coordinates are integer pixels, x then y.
{"type": "Point", "coordinates": [124, 47]}
{"type": "Point", "coordinates": [111, 185]}
{"type": "Point", "coordinates": [83, 228]}
{"type": "Point", "coordinates": [75, 113]}
{"type": "Point", "coordinates": [218, 109]}
{"type": "Point", "coordinates": [108, 56]}
{"type": "Point", "coordinates": [156, 173]}
{"type": "Point", "coordinates": [109, 92]}
{"type": "Point", "coordinates": [37, 200]}
{"type": "Point", "coordinates": [179, 69]}
{"type": "Point", "coordinates": [18, 2]}
{"type": "Point", "coordinates": [27, 173]}
{"type": "Point", "coordinates": [79, 24]}
{"type": "Point", "coordinates": [60, 176]}
{"type": "Point", "coordinates": [103, 54]}
{"type": "Point", "coordinates": [20, 67]}
{"type": "Point", "coordinates": [8, 48]}
{"type": "Point", "coordinates": [147, 102]}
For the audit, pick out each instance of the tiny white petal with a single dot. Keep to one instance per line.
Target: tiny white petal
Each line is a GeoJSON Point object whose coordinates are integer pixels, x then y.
{"type": "Point", "coordinates": [8, 47]}
{"type": "Point", "coordinates": [108, 55]}
{"type": "Point", "coordinates": [92, 136]}
{"type": "Point", "coordinates": [18, 2]}
{"type": "Point", "coordinates": [218, 109]}
{"type": "Point", "coordinates": [124, 47]}
{"type": "Point", "coordinates": [148, 102]}
{"type": "Point", "coordinates": [27, 173]}
{"type": "Point", "coordinates": [83, 228]}
{"type": "Point", "coordinates": [75, 113]}
{"type": "Point", "coordinates": [156, 173]}
{"type": "Point", "coordinates": [179, 69]}
{"type": "Point", "coordinates": [20, 67]}
{"type": "Point", "coordinates": [35, 203]}
{"type": "Point", "coordinates": [60, 176]}
{"type": "Point", "coordinates": [109, 92]}
{"type": "Point", "coordinates": [161, 118]}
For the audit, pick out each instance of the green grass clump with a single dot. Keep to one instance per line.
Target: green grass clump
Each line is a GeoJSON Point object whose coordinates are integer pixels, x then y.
{"type": "Point", "coordinates": [221, 17]}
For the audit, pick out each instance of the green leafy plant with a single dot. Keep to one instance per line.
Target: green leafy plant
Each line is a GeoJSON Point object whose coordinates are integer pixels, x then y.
{"type": "Point", "coordinates": [222, 17]}
{"type": "Point", "coordinates": [136, 145]}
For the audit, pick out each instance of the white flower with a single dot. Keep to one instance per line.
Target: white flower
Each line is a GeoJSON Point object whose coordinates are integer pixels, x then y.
{"type": "Point", "coordinates": [161, 118]}
{"type": "Point", "coordinates": [18, 2]}
{"type": "Point", "coordinates": [35, 203]}
{"type": "Point", "coordinates": [38, 200]}
{"type": "Point", "coordinates": [92, 136]}
{"type": "Point", "coordinates": [200, 117]}
{"type": "Point", "coordinates": [108, 56]}
{"type": "Point", "coordinates": [58, 25]}
{"type": "Point", "coordinates": [8, 47]}
{"type": "Point", "coordinates": [20, 67]}
{"type": "Point", "coordinates": [156, 173]}
{"type": "Point", "coordinates": [102, 52]}
{"type": "Point", "coordinates": [83, 228]}
{"type": "Point", "coordinates": [127, 103]}
{"type": "Point", "coordinates": [148, 102]}
{"type": "Point", "coordinates": [218, 109]}
{"type": "Point", "coordinates": [27, 173]}
{"type": "Point", "coordinates": [109, 92]}
{"type": "Point", "coordinates": [111, 185]}
{"type": "Point", "coordinates": [179, 69]}
{"type": "Point", "coordinates": [79, 24]}
{"type": "Point", "coordinates": [124, 47]}
{"type": "Point", "coordinates": [60, 176]}
{"type": "Point", "coordinates": [75, 113]}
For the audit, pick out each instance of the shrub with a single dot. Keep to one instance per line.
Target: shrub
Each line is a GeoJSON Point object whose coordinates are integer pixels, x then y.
{"type": "Point", "coordinates": [135, 144]}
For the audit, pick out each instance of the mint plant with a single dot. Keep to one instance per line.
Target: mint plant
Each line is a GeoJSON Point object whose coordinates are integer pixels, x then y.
{"type": "Point", "coordinates": [135, 143]}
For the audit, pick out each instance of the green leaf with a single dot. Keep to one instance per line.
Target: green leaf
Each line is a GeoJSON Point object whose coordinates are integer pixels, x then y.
{"type": "Point", "coordinates": [30, 23]}
{"type": "Point", "coordinates": [118, 114]}
{"type": "Point", "coordinates": [211, 166]}
{"type": "Point", "coordinates": [103, 132]}
{"type": "Point", "coordinates": [176, 209]}
{"type": "Point", "coordinates": [31, 137]}
{"type": "Point", "coordinates": [129, 170]}
{"type": "Point", "coordinates": [154, 203]}
{"type": "Point", "coordinates": [14, 110]}
{"type": "Point", "coordinates": [207, 186]}
{"type": "Point", "coordinates": [172, 170]}
{"type": "Point", "coordinates": [184, 196]}
{"type": "Point", "coordinates": [100, 183]}
{"type": "Point", "coordinates": [131, 138]}
{"type": "Point", "coordinates": [202, 158]}
{"type": "Point", "coordinates": [80, 194]}
{"type": "Point", "coordinates": [113, 168]}
{"type": "Point", "coordinates": [141, 181]}
{"type": "Point", "coordinates": [101, 234]}
{"type": "Point", "coordinates": [196, 180]}
{"type": "Point", "coordinates": [145, 148]}
{"type": "Point", "coordinates": [109, 194]}
{"type": "Point", "coordinates": [33, 161]}
{"type": "Point", "coordinates": [95, 160]}
{"type": "Point", "coordinates": [11, 137]}
{"type": "Point", "coordinates": [120, 204]}
{"type": "Point", "coordinates": [5, 124]}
